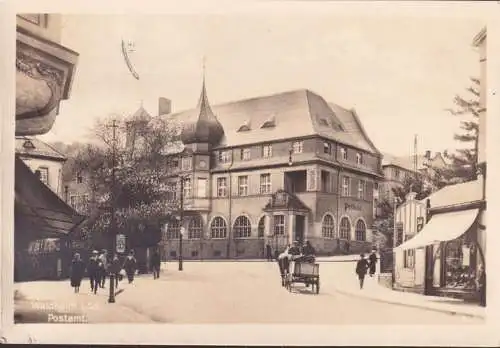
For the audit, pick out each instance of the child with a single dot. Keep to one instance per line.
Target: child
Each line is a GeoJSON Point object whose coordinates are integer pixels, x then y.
{"type": "Point", "coordinates": [361, 268]}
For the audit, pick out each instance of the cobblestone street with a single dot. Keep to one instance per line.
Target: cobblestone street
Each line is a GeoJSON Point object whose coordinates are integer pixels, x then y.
{"type": "Point", "coordinates": [235, 292]}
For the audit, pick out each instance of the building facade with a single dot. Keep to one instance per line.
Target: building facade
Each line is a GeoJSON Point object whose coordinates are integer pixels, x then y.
{"type": "Point", "coordinates": [447, 256]}
{"type": "Point", "coordinates": [398, 169]}
{"type": "Point", "coordinates": [271, 169]}
{"type": "Point", "coordinates": [43, 222]}
{"type": "Point", "coordinates": [44, 161]}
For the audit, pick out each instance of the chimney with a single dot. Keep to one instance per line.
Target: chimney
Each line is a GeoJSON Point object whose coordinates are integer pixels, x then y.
{"type": "Point", "coordinates": [164, 106]}
{"type": "Point", "coordinates": [427, 154]}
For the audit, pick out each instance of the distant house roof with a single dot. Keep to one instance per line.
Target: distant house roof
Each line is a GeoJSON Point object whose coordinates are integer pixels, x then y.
{"type": "Point", "coordinates": [30, 146]}
{"type": "Point", "coordinates": [141, 114]}
{"type": "Point", "coordinates": [470, 191]}
{"type": "Point", "coordinates": [284, 115]}
{"type": "Point", "coordinates": [405, 162]}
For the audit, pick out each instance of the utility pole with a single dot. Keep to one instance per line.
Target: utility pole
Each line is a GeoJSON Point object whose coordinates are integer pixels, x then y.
{"type": "Point", "coordinates": [112, 234]}
{"type": "Point", "coordinates": [181, 222]}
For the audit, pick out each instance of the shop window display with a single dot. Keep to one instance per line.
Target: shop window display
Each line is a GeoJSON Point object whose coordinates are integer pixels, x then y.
{"type": "Point", "coordinates": [460, 264]}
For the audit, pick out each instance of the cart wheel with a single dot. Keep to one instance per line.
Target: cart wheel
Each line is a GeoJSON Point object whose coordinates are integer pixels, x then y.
{"type": "Point", "coordinates": [317, 287]}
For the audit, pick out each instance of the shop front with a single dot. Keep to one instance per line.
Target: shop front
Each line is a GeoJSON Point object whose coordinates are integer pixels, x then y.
{"type": "Point", "coordinates": [452, 256]}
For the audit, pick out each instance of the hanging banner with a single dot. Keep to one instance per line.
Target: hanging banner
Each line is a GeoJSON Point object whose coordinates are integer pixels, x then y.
{"type": "Point", "coordinates": [120, 243]}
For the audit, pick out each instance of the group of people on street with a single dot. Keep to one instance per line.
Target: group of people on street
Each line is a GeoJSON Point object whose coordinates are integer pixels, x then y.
{"type": "Point", "coordinates": [99, 267]}
{"type": "Point", "coordinates": [364, 265]}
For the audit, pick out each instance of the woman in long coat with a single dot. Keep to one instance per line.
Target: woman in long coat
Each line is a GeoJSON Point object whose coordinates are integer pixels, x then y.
{"type": "Point", "coordinates": [77, 272]}
{"type": "Point", "coordinates": [130, 266]}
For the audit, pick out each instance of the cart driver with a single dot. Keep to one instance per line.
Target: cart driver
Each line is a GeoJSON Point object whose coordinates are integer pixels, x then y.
{"type": "Point", "coordinates": [294, 250]}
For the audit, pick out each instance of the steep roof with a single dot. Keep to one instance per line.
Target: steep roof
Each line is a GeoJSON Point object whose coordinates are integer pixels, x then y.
{"type": "Point", "coordinates": [470, 191]}
{"type": "Point", "coordinates": [284, 115]}
{"type": "Point", "coordinates": [30, 146]}
{"type": "Point", "coordinates": [141, 114]}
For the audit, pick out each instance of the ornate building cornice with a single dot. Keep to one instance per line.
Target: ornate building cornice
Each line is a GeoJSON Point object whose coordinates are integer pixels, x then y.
{"type": "Point", "coordinates": [44, 73]}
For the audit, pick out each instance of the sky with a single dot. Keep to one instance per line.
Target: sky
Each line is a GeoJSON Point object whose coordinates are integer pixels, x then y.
{"type": "Point", "coordinates": [399, 73]}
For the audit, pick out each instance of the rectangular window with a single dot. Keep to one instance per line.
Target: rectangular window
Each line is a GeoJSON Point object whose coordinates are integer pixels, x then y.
{"type": "Point", "coordinates": [243, 185]}
{"type": "Point", "coordinates": [44, 175]}
{"type": "Point", "coordinates": [202, 188]}
{"type": "Point", "coordinates": [409, 258]}
{"type": "Point", "coordinates": [245, 154]}
{"type": "Point", "coordinates": [298, 146]}
{"type": "Point", "coordinates": [279, 224]}
{"type": "Point", "coordinates": [171, 192]}
{"type": "Point", "coordinates": [327, 148]}
{"type": "Point", "coordinates": [187, 188]}
{"type": "Point", "coordinates": [79, 178]}
{"type": "Point", "coordinates": [72, 201]}
{"type": "Point", "coordinates": [325, 181]}
{"type": "Point", "coordinates": [359, 158]}
{"type": "Point", "coordinates": [224, 156]}
{"type": "Point", "coordinates": [343, 154]}
{"type": "Point", "coordinates": [375, 185]}
{"type": "Point", "coordinates": [346, 181]}
{"type": "Point", "coordinates": [221, 187]}
{"type": "Point", "coordinates": [361, 189]}
{"type": "Point", "coordinates": [265, 183]}
{"type": "Point", "coordinates": [267, 151]}
{"type": "Point", "coordinates": [186, 163]}
{"type": "Point", "coordinates": [396, 173]}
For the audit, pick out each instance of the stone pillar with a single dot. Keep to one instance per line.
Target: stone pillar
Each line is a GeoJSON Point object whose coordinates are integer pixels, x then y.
{"type": "Point", "coordinates": [306, 227]}
{"type": "Point", "coordinates": [291, 227]}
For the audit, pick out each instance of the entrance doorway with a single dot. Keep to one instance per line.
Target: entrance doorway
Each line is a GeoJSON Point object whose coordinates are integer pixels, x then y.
{"type": "Point", "coordinates": [300, 228]}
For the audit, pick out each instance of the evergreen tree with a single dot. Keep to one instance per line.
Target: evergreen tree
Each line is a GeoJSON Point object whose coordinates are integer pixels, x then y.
{"type": "Point", "coordinates": [463, 162]}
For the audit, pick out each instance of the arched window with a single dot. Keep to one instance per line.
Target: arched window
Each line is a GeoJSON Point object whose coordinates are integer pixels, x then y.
{"type": "Point", "coordinates": [360, 230]}
{"type": "Point", "coordinates": [195, 227]}
{"type": "Point", "coordinates": [328, 226]}
{"type": "Point", "coordinates": [262, 227]}
{"type": "Point", "coordinates": [242, 227]}
{"type": "Point", "coordinates": [345, 228]}
{"type": "Point", "coordinates": [218, 228]}
{"type": "Point", "coordinates": [173, 230]}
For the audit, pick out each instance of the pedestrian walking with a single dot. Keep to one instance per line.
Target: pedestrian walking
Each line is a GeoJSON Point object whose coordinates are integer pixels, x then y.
{"type": "Point", "coordinates": [481, 285]}
{"type": "Point", "coordinates": [155, 264]}
{"type": "Point", "coordinates": [93, 271]}
{"type": "Point", "coordinates": [373, 262]}
{"type": "Point", "coordinates": [115, 268]}
{"type": "Point", "coordinates": [130, 266]}
{"type": "Point", "coordinates": [103, 267]}
{"type": "Point", "coordinates": [361, 268]}
{"type": "Point", "coordinates": [269, 252]}
{"type": "Point", "coordinates": [77, 272]}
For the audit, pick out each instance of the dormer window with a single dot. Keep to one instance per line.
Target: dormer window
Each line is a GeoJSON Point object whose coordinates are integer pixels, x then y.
{"type": "Point", "coordinates": [323, 122]}
{"type": "Point", "coordinates": [359, 158]}
{"type": "Point", "coordinates": [269, 123]}
{"type": "Point", "coordinates": [245, 127]}
{"type": "Point", "coordinates": [28, 144]}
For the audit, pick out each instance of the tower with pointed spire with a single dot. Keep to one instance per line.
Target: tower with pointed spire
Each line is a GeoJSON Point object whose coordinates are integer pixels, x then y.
{"type": "Point", "coordinates": [205, 128]}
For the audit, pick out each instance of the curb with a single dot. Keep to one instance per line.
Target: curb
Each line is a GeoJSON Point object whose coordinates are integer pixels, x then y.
{"type": "Point", "coordinates": [447, 311]}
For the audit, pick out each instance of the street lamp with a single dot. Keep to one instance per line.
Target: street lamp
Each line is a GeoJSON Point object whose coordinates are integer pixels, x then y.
{"type": "Point", "coordinates": [111, 298]}
{"type": "Point", "coordinates": [181, 222]}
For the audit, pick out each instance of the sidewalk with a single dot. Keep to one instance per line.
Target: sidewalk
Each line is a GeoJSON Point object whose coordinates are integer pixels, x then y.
{"type": "Point", "coordinates": [372, 290]}
{"type": "Point", "coordinates": [55, 301]}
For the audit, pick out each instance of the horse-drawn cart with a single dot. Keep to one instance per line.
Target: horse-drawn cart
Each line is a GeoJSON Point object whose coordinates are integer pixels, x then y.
{"type": "Point", "coordinates": [303, 272]}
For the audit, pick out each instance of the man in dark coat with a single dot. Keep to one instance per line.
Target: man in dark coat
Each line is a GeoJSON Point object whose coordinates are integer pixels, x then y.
{"type": "Point", "coordinates": [373, 262]}
{"type": "Point", "coordinates": [115, 268]}
{"type": "Point", "coordinates": [361, 268]}
{"type": "Point", "coordinates": [130, 266]}
{"type": "Point", "coordinates": [155, 264]}
{"type": "Point", "coordinates": [269, 252]}
{"type": "Point", "coordinates": [93, 271]}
